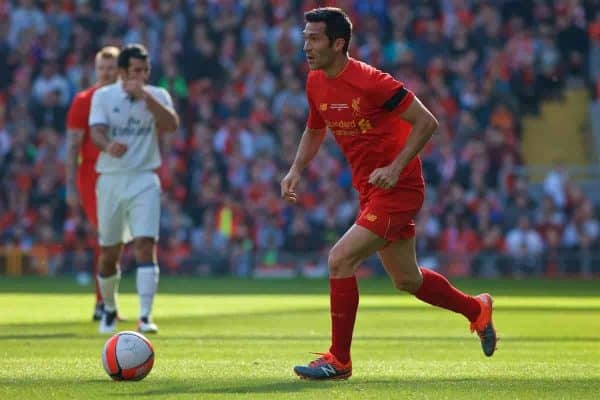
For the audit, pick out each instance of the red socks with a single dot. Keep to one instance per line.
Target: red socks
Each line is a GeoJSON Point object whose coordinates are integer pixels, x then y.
{"type": "Point", "coordinates": [437, 291]}
{"type": "Point", "coordinates": [343, 296]}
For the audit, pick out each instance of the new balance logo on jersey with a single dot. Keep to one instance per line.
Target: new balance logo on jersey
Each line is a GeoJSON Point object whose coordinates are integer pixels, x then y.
{"type": "Point", "coordinates": [328, 370]}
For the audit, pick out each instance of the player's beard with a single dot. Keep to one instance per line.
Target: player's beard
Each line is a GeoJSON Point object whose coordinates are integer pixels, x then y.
{"type": "Point", "coordinates": [322, 61]}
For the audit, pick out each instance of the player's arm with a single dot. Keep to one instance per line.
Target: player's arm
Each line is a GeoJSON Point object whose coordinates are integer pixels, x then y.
{"type": "Point", "coordinates": [161, 107]}
{"type": "Point", "coordinates": [307, 150]}
{"type": "Point", "coordinates": [74, 140]}
{"type": "Point", "coordinates": [424, 125]}
{"type": "Point", "coordinates": [99, 135]}
{"type": "Point", "coordinates": [77, 120]}
{"type": "Point", "coordinates": [166, 118]}
{"type": "Point", "coordinates": [99, 121]}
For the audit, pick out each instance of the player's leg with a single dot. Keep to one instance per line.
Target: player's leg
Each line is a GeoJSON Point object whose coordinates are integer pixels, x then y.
{"type": "Point", "coordinates": [146, 280]}
{"type": "Point", "coordinates": [144, 218]}
{"type": "Point", "coordinates": [99, 306]}
{"type": "Point", "coordinates": [400, 262]}
{"type": "Point", "coordinates": [86, 185]}
{"type": "Point", "coordinates": [111, 228]}
{"type": "Point", "coordinates": [355, 246]}
{"type": "Point", "coordinates": [109, 276]}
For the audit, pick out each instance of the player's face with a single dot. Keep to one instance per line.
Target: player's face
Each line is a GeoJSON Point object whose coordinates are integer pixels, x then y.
{"type": "Point", "coordinates": [319, 52]}
{"type": "Point", "coordinates": [106, 70]}
{"type": "Point", "coordinates": [138, 70]}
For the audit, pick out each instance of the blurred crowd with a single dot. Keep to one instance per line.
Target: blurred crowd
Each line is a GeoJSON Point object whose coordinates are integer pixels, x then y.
{"type": "Point", "coordinates": [236, 71]}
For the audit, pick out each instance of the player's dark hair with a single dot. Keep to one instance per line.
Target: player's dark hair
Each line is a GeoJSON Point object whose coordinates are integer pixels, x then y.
{"type": "Point", "coordinates": [337, 23]}
{"type": "Point", "coordinates": [130, 51]}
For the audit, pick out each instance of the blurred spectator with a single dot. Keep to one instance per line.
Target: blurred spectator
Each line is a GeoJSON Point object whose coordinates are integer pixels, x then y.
{"type": "Point", "coordinates": [554, 185]}
{"type": "Point", "coordinates": [490, 261]}
{"type": "Point", "coordinates": [23, 17]}
{"type": "Point", "coordinates": [525, 247]}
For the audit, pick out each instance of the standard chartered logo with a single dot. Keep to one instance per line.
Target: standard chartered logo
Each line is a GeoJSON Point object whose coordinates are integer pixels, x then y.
{"type": "Point", "coordinates": [349, 127]}
{"type": "Point", "coordinates": [134, 127]}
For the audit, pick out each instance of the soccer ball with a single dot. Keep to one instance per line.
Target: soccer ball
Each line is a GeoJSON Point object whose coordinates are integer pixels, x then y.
{"type": "Point", "coordinates": [128, 356]}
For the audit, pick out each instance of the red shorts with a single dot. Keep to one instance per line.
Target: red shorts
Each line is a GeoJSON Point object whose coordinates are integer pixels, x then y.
{"type": "Point", "coordinates": [390, 215]}
{"type": "Point", "coordinates": [86, 185]}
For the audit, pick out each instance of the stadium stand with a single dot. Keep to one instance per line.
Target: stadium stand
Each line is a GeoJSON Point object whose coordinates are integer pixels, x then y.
{"type": "Point", "coordinates": [236, 72]}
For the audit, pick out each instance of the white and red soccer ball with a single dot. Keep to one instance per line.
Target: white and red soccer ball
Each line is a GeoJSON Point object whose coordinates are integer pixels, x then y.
{"type": "Point", "coordinates": [128, 356]}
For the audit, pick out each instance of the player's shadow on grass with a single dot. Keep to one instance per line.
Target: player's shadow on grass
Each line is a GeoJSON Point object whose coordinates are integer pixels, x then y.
{"type": "Point", "coordinates": [310, 311]}
{"type": "Point", "coordinates": [39, 336]}
{"type": "Point", "coordinates": [401, 386]}
{"type": "Point", "coordinates": [236, 286]}
{"type": "Point", "coordinates": [407, 338]}
{"type": "Point", "coordinates": [314, 338]}
{"type": "Point", "coordinates": [291, 385]}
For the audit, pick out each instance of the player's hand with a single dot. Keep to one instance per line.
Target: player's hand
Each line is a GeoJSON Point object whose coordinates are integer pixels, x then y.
{"type": "Point", "coordinates": [385, 177]}
{"type": "Point", "coordinates": [134, 88]}
{"type": "Point", "coordinates": [116, 149]}
{"type": "Point", "coordinates": [288, 186]}
{"type": "Point", "coordinates": [72, 197]}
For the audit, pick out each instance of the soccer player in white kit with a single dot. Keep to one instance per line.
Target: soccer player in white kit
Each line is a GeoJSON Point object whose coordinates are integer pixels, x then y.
{"type": "Point", "coordinates": [125, 119]}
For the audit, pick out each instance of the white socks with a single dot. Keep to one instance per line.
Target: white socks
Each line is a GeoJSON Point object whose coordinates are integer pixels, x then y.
{"type": "Point", "coordinates": [108, 288]}
{"type": "Point", "coordinates": [147, 283]}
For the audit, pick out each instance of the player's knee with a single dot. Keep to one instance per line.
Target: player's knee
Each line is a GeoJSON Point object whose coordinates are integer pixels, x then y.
{"type": "Point", "coordinates": [340, 263]}
{"type": "Point", "coordinates": [108, 260]}
{"type": "Point", "coordinates": [408, 283]}
{"type": "Point", "coordinates": [144, 250]}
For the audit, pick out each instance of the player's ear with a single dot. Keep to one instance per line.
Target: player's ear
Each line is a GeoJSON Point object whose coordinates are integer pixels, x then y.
{"type": "Point", "coordinates": [338, 44]}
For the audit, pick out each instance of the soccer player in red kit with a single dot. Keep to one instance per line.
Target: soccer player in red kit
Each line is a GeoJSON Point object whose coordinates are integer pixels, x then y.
{"type": "Point", "coordinates": [381, 127]}
{"type": "Point", "coordinates": [82, 153]}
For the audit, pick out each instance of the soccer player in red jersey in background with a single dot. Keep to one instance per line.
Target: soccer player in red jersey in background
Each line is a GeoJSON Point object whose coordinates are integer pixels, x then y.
{"type": "Point", "coordinates": [381, 126]}
{"type": "Point", "coordinates": [82, 154]}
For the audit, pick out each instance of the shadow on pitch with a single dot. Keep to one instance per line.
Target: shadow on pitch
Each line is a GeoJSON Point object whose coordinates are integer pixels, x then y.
{"type": "Point", "coordinates": [356, 385]}
{"type": "Point", "coordinates": [307, 311]}
{"type": "Point", "coordinates": [313, 338]}
{"type": "Point", "coordinates": [398, 338]}
{"type": "Point", "coordinates": [40, 336]}
{"type": "Point", "coordinates": [235, 286]}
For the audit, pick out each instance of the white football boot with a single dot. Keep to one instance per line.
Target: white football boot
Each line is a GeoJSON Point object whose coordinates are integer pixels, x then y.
{"type": "Point", "coordinates": [108, 323]}
{"type": "Point", "coordinates": [145, 325]}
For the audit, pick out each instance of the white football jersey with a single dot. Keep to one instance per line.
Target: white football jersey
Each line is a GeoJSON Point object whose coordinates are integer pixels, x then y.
{"type": "Point", "coordinates": [130, 122]}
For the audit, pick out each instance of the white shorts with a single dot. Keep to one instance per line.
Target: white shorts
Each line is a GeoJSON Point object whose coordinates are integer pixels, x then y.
{"type": "Point", "coordinates": [128, 207]}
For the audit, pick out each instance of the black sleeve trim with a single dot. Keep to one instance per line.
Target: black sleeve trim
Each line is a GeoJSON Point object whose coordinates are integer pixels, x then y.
{"type": "Point", "coordinates": [395, 99]}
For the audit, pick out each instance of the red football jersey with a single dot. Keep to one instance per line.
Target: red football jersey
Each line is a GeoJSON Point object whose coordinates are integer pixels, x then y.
{"type": "Point", "coordinates": [77, 119]}
{"type": "Point", "coordinates": [362, 106]}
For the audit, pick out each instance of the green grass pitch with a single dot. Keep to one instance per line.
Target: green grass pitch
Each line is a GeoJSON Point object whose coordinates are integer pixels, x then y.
{"type": "Point", "coordinates": [235, 339]}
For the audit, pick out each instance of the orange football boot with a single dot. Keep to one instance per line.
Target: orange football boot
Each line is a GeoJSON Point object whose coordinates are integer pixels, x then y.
{"type": "Point", "coordinates": [484, 326]}
{"type": "Point", "coordinates": [326, 367]}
